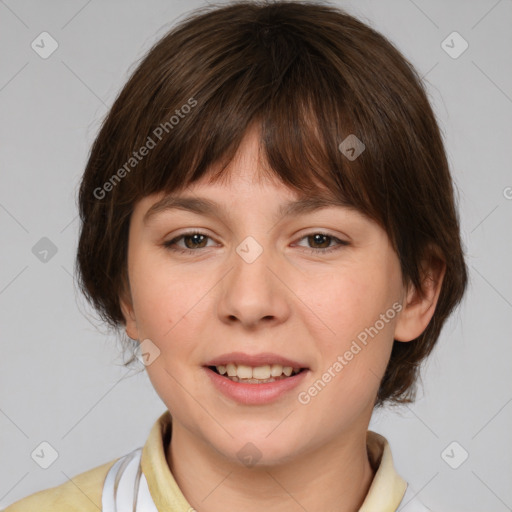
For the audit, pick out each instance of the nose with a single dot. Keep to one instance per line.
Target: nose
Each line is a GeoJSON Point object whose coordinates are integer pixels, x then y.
{"type": "Point", "coordinates": [254, 292]}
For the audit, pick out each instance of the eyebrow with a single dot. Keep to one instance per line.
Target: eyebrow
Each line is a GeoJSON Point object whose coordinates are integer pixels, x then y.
{"type": "Point", "coordinates": [205, 206]}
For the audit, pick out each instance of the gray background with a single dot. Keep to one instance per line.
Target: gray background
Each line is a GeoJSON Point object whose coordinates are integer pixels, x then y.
{"type": "Point", "coordinates": [61, 374]}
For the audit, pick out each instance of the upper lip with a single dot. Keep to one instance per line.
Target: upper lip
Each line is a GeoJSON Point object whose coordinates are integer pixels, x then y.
{"type": "Point", "coordinates": [254, 360]}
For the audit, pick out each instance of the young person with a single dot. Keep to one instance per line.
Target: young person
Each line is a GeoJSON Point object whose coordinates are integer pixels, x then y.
{"type": "Point", "coordinates": [268, 211]}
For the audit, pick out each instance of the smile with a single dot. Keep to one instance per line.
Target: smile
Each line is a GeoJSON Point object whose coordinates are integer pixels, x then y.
{"type": "Point", "coordinates": [237, 372]}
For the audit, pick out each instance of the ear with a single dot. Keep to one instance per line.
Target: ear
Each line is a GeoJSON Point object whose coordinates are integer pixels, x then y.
{"type": "Point", "coordinates": [420, 304]}
{"type": "Point", "coordinates": [125, 301]}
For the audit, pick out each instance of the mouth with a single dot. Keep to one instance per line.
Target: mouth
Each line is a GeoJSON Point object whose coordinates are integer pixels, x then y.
{"type": "Point", "coordinates": [263, 374]}
{"type": "Point", "coordinates": [255, 379]}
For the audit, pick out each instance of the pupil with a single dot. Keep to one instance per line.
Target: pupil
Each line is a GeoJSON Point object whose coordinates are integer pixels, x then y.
{"type": "Point", "coordinates": [194, 239]}
{"type": "Point", "coordinates": [317, 238]}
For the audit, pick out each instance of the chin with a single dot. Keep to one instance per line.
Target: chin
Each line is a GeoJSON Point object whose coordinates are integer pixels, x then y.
{"type": "Point", "coordinates": [254, 446]}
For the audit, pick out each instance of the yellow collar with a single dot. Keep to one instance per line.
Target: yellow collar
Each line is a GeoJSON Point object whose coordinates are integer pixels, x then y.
{"type": "Point", "coordinates": [385, 493]}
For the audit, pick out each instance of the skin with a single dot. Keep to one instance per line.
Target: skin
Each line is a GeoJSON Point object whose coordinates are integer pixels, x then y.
{"type": "Point", "coordinates": [302, 305]}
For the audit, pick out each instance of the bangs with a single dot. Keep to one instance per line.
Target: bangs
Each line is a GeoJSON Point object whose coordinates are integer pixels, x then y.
{"type": "Point", "coordinates": [274, 82]}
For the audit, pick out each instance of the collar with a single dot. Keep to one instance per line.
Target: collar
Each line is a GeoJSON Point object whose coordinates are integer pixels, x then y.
{"type": "Point", "coordinates": [385, 493]}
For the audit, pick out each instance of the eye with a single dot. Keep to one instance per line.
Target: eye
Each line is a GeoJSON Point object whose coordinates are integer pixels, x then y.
{"type": "Point", "coordinates": [318, 238]}
{"type": "Point", "coordinates": [193, 240]}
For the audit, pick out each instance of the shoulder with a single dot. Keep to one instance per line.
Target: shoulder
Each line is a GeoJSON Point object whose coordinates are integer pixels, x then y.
{"type": "Point", "coordinates": [81, 493]}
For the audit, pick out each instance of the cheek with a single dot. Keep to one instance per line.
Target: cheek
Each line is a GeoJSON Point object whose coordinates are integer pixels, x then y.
{"type": "Point", "coordinates": [163, 295]}
{"type": "Point", "coordinates": [347, 302]}
{"type": "Point", "coordinates": [163, 301]}
{"type": "Point", "coordinates": [358, 319]}
{"type": "Point", "coordinates": [171, 307]}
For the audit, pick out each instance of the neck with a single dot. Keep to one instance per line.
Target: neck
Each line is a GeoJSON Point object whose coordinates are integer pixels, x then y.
{"type": "Point", "coordinates": [335, 477]}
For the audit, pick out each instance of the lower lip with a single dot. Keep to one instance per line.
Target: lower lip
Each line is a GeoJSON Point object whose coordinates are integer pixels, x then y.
{"type": "Point", "coordinates": [255, 394]}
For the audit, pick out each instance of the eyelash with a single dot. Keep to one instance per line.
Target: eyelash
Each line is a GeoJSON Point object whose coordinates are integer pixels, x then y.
{"type": "Point", "coordinates": [170, 244]}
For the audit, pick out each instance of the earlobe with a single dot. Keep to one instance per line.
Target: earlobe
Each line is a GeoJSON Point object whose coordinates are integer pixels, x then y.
{"type": "Point", "coordinates": [420, 304]}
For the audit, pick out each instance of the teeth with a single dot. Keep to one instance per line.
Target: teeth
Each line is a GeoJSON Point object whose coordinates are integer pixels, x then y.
{"type": "Point", "coordinates": [244, 372]}
{"type": "Point", "coordinates": [276, 370]}
{"type": "Point", "coordinates": [257, 373]}
{"type": "Point", "coordinates": [287, 370]}
{"type": "Point", "coordinates": [261, 372]}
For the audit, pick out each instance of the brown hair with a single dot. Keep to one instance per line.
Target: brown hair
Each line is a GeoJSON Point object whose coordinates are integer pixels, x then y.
{"type": "Point", "coordinates": [308, 75]}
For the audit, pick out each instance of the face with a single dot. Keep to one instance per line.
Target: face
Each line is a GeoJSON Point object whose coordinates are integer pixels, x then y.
{"type": "Point", "coordinates": [269, 329]}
